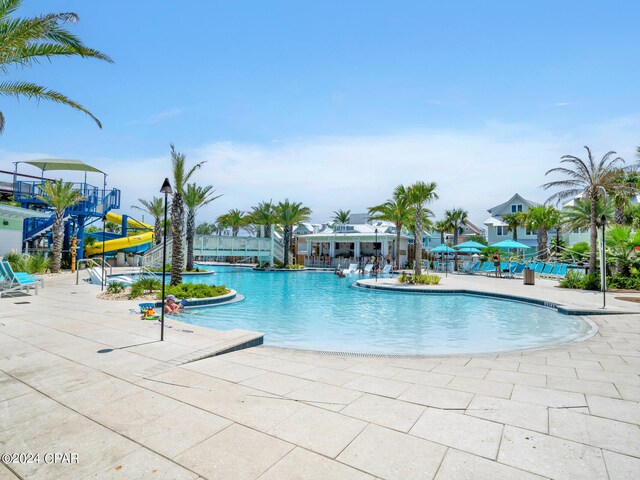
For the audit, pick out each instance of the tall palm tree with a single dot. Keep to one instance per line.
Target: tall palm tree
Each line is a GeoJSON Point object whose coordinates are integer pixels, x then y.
{"type": "Point", "coordinates": [59, 195]}
{"type": "Point", "coordinates": [514, 221]}
{"type": "Point", "coordinates": [543, 218]}
{"type": "Point", "coordinates": [289, 214]}
{"type": "Point", "coordinates": [341, 216]}
{"type": "Point", "coordinates": [456, 218]}
{"type": "Point", "coordinates": [195, 197]}
{"type": "Point", "coordinates": [396, 210]}
{"type": "Point", "coordinates": [155, 208]}
{"type": "Point", "coordinates": [233, 219]}
{"type": "Point", "coordinates": [418, 195]}
{"type": "Point", "coordinates": [181, 177]}
{"type": "Point", "coordinates": [28, 41]}
{"type": "Point", "coordinates": [593, 180]}
{"type": "Point", "coordinates": [442, 227]}
{"type": "Point", "coordinates": [263, 215]}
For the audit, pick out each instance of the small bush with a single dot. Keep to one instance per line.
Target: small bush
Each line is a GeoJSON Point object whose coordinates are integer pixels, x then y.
{"type": "Point", "coordinates": [196, 290]}
{"type": "Point", "coordinates": [572, 279]}
{"type": "Point", "coordinates": [115, 287]}
{"type": "Point", "coordinates": [294, 266]}
{"type": "Point", "coordinates": [38, 263]}
{"type": "Point", "coordinates": [427, 279]}
{"type": "Point", "coordinates": [144, 285]}
{"type": "Point", "coordinates": [626, 283]}
{"type": "Point", "coordinates": [591, 282]}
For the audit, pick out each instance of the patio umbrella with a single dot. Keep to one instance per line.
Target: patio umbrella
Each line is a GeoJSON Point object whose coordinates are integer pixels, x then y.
{"type": "Point", "coordinates": [510, 244]}
{"type": "Point", "coordinates": [471, 244]}
{"type": "Point", "coordinates": [442, 249]}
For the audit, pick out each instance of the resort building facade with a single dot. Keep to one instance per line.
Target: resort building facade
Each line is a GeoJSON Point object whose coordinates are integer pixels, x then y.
{"type": "Point", "coordinates": [498, 230]}
{"type": "Point", "coordinates": [469, 230]}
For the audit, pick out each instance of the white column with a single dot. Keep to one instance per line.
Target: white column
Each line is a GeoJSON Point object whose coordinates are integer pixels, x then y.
{"type": "Point", "coordinates": [332, 248]}
{"type": "Point", "coordinates": [356, 248]}
{"type": "Point", "coordinates": [384, 248]}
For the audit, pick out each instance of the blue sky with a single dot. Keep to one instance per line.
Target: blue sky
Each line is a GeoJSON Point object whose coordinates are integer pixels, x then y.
{"type": "Point", "coordinates": [334, 103]}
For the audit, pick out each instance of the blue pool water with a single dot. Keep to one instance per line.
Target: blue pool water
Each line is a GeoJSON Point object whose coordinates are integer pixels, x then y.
{"type": "Point", "coordinates": [320, 311]}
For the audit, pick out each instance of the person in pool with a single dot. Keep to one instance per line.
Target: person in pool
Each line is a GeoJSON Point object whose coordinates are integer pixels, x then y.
{"type": "Point", "coordinates": [171, 306]}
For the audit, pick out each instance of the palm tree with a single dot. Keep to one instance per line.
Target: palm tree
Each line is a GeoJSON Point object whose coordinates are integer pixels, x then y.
{"type": "Point", "coordinates": [593, 180]}
{"type": "Point", "coordinates": [442, 227]}
{"type": "Point", "coordinates": [626, 186]}
{"type": "Point", "coordinates": [289, 214]}
{"type": "Point", "coordinates": [396, 210]}
{"type": "Point", "coordinates": [456, 219]}
{"type": "Point", "coordinates": [195, 197]}
{"type": "Point", "coordinates": [155, 208]}
{"type": "Point", "coordinates": [206, 228]}
{"type": "Point", "coordinates": [622, 243]}
{"type": "Point", "coordinates": [263, 215]}
{"type": "Point", "coordinates": [341, 216]}
{"type": "Point", "coordinates": [180, 178]}
{"type": "Point", "coordinates": [59, 195]}
{"type": "Point", "coordinates": [419, 194]}
{"type": "Point", "coordinates": [578, 215]}
{"type": "Point", "coordinates": [233, 219]}
{"type": "Point", "coordinates": [513, 221]}
{"type": "Point", "coordinates": [26, 41]}
{"type": "Point", "coordinates": [542, 218]}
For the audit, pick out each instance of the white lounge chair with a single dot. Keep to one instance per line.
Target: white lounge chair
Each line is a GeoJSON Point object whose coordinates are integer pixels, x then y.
{"type": "Point", "coordinates": [353, 268]}
{"type": "Point", "coordinates": [386, 269]}
{"type": "Point", "coordinates": [367, 268]}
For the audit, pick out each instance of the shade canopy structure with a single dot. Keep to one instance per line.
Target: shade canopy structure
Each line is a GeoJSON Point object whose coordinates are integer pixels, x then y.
{"type": "Point", "coordinates": [442, 248]}
{"type": "Point", "coordinates": [470, 244]}
{"type": "Point", "coordinates": [510, 244]}
{"type": "Point", "coordinates": [468, 250]}
{"type": "Point", "coordinates": [46, 164]}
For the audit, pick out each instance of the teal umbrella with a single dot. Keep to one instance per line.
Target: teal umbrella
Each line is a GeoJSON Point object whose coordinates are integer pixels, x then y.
{"type": "Point", "coordinates": [508, 244]}
{"type": "Point", "coordinates": [470, 244]}
{"type": "Point", "coordinates": [442, 248]}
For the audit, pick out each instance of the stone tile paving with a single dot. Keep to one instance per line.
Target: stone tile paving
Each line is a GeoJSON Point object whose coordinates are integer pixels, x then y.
{"type": "Point", "coordinates": [138, 412]}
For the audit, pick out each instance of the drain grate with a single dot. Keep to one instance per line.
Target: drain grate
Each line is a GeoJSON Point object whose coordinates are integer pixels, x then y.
{"type": "Point", "coordinates": [20, 303]}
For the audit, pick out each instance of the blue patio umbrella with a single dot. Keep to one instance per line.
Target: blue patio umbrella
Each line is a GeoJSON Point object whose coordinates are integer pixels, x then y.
{"type": "Point", "coordinates": [442, 248]}
{"type": "Point", "coordinates": [470, 244]}
{"type": "Point", "coordinates": [510, 244]}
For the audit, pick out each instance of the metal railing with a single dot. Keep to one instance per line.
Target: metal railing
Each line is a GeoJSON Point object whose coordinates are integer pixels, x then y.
{"type": "Point", "coordinates": [93, 261]}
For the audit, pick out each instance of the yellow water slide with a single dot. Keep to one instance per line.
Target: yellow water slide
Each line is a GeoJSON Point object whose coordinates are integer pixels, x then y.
{"type": "Point", "coordinates": [124, 242]}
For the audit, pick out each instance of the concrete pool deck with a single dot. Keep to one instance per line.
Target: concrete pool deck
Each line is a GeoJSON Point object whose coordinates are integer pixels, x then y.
{"type": "Point", "coordinates": [139, 411]}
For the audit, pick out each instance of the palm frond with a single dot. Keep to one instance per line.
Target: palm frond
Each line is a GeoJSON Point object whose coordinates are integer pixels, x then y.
{"type": "Point", "coordinates": [38, 92]}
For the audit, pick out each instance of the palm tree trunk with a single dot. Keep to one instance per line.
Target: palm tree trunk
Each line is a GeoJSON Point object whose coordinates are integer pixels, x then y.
{"type": "Point", "coordinates": [418, 243]}
{"type": "Point", "coordinates": [542, 243]}
{"type": "Point", "coordinates": [157, 230]}
{"type": "Point", "coordinates": [441, 237]}
{"type": "Point", "coordinates": [177, 222]}
{"type": "Point", "coordinates": [191, 228]}
{"type": "Point", "coordinates": [286, 246]}
{"type": "Point", "coordinates": [267, 231]}
{"type": "Point", "coordinates": [619, 216]}
{"type": "Point", "coordinates": [515, 233]}
{"type": "Point", "coordinates": [593, 234]}
{"type": "Point", "coordinates": [398, 232]}
{"type": "Point", "coordinates": [58, 237]}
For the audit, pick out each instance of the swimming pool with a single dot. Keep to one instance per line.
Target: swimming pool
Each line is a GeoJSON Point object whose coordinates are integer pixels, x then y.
{"type": "Point", "coordinates": [319, 311]}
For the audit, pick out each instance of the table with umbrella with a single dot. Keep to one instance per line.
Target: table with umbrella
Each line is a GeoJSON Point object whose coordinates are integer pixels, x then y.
{"type": "Point", "coordinates": [514, 245]}
{"type": "Point", "coordinates": [442, 249]}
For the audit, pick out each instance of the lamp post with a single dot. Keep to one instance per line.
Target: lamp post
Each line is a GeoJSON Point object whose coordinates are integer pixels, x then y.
{"type": "Point", "coordinates": [104, 270]}
{"type": "Point", "coordinates": [166, 189]}
{"type": "Point", "coordinates": [603, 260]}
{"type": "Point", "coordinates": [376, 232]}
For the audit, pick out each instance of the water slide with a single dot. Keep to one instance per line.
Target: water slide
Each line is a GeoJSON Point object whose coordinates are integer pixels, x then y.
{"type": "Point", "coordinates": [122, 243]}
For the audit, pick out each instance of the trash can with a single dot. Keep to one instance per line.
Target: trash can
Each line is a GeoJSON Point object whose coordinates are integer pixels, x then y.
{"type": "Point", "coordinates": [529, 276]}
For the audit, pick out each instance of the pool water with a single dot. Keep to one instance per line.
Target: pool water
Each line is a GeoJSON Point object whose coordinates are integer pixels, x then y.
{"type": "Point", "coordinates": [319, 311]}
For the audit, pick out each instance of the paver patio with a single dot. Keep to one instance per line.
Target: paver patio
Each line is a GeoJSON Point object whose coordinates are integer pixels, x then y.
{"type": "Point", "coordinates": [140, 409]}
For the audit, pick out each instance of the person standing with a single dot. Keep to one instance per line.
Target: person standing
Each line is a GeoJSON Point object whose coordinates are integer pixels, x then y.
{"type": "Point", "coordinates": [496, 264]}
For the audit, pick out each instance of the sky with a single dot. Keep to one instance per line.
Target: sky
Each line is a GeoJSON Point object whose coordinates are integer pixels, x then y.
{"type": "Point", "coordinates": [334, 103]}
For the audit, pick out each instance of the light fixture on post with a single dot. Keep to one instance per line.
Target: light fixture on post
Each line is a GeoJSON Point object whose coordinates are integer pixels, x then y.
{"type": "Point", "coordinates": [166, 189]}
{"type": "Point", "coordinates": [603, 261]}
{"type": "Point", "coordinates": [104, 269]}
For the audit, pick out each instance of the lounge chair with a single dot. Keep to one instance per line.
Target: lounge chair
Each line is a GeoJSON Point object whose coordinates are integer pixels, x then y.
{"type": "Point", "coordinates": [563, 271]}
{"type": "Point", "coordinates": [386, 270]}
{"type": "Point", "coordinates": [547, 270]}
{"type": "Point", "coordinates": [486, 268]}
{"type": "Point", "coordinates": [15, 281]}
{"type": "Point", "coordinates": [539, 267]}
{"type": "Point", "coordinates": [517, 270]}
{"type": "Point", "coordinates": [353, 268]}
{"type": "Point", "coordinates": [471, 267]}
{"type": "Point", "coordinates": [367, 268]}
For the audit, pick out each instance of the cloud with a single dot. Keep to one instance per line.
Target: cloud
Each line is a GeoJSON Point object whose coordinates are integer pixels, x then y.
{"type": "Point", "coordinates": [562, 104]}
{"type": "Point", "coordinates": [475, 169]}
{"type": "Point", "coordinates": [159, 117]}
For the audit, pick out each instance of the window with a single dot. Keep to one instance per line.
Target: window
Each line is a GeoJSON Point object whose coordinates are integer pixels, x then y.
{"type": "Point", "coordinates": [500, 230]}
{"type": "Point", "coordinates": [516, 208]}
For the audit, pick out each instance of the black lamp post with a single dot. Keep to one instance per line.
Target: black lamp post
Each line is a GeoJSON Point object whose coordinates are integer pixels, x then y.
{"type": "Point", "coordinates": [376, 232]}
{"type": "Point", "coordinates": [166, 189]}
{"type": "Point", "coordinates": [104, 270]}
{"type": "Point", "coordinates": [603, 259]}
